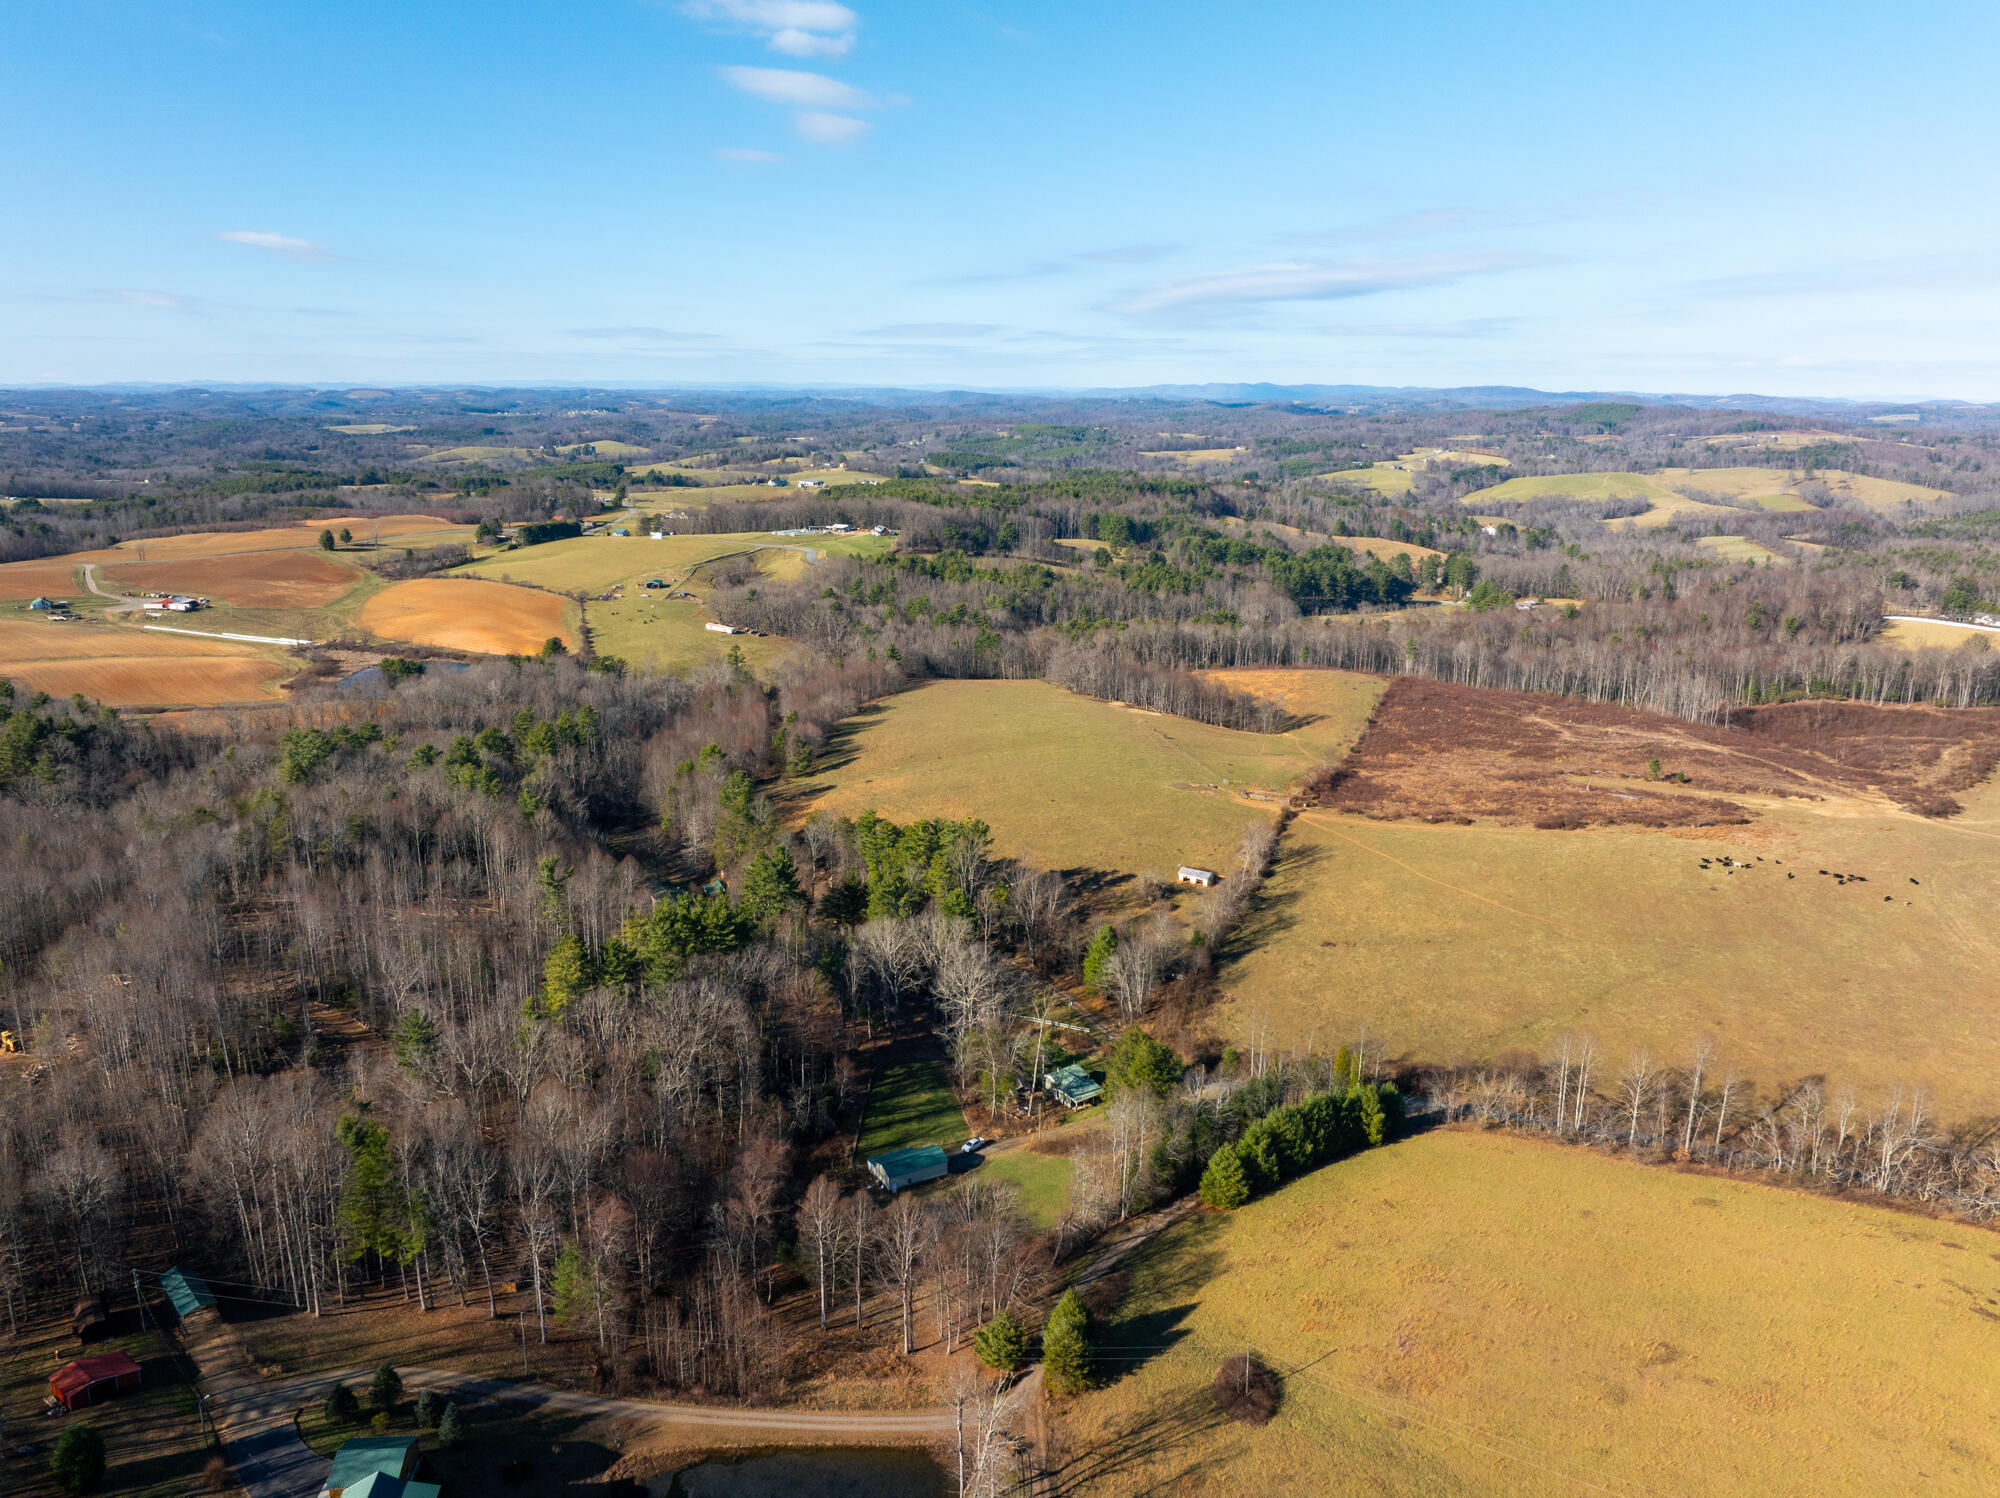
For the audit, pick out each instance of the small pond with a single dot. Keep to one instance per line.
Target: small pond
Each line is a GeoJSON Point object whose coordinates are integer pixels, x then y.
{"type": "Point", "coordinates": [826, 1472]}
{"type": "Point", "coordinates": [371, 676]}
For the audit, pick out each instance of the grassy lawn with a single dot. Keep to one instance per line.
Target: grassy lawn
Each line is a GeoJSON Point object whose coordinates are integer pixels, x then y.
{"type": "Point", "coordinates": [153, 1441]}
{"type": "Point", "coordinates": [1453, 942]}
{"type": "Point", "coordinates": [1073, 783]}
{"type": "Point", "coordinates": [910, 1102]}
{"type": "Point", "coordinates": [1043, 1181]}
{"type": "Point", "coordinates": [1472, 1314]}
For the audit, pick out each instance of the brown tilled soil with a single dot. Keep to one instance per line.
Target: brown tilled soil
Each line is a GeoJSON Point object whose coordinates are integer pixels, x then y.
{"type": "Point", "coordinates": [1437, 752]}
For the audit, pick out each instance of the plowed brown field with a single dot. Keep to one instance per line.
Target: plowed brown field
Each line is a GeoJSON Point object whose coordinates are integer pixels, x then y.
{"type": "Point", "coordinates": [296, 579]}
{"type": "Point", "coordinates": [465, 614]}
{"type": "Point", "coordinates": [46, 577]}
{"type": "Point", "coordinates": [131, 668]}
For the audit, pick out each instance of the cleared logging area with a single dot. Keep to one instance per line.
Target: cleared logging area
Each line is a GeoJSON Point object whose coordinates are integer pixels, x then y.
{"type": "Point", "coordinates": [1436, 751]}
{"type": "Point", "coordinates": [1476, 1314]}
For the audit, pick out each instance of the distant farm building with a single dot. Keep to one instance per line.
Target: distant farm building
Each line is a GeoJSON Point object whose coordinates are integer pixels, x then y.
{"type": "Point", "coordinates": [187, 1292]}
{"type": "Point", "coordinates": [909, 1167]}
{"type": "Point", "coordinates": [1072, 1086]}
{"type": "Point", "coordinates": [41, 604]}
{"type": "Point", "coordinates": [722, 629]}
{"type": "Point", "coordinates": [90, 1321]}
{"type": "Point", "coordinates": [183, 605]}
{"type": "Point", "coordinates": [88, 1380]}
{"type": "Point", "coordinates": [1189, 874]}
{"type": "Point", "coordinates": [378, 1467]}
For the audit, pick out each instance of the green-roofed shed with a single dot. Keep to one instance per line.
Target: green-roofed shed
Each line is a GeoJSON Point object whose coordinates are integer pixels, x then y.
{"type": "Point", "coordinates": [909, 1167]}
{"type": "Point", "coordinates": [1073, 1086]}
{"type": "Point", "coordinates": [370, 1456]}
{"type": "Point", "coordinates": [187, 1291]}
{"type": "Point", "coordinates": [382, 1485]}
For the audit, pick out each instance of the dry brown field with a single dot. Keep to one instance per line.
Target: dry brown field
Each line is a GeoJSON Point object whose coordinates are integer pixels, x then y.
{"type": "Point", "coordinates": [468, 614]}
{"type": "Point", "coordinates": [129, 667]}
{"type": "Point", "coordinates": [300, 578]}
{"type": "Point", "coordinates": [48, 577]}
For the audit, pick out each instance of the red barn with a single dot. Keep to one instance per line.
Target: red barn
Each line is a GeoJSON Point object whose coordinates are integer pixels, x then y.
{"type": "Point", "coordinates": [88, 1380]}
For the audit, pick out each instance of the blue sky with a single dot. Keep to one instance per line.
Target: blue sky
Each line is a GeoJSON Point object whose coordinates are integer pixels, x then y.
{"type": "Point", "coordinates": [1779, 198]}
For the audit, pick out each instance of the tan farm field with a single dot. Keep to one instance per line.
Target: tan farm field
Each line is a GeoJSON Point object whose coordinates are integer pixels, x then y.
{"type": "Point", "coordinates": [128, 667]}
{"type": "Point", "coordinates": [467, 614]}
{"type": "Point", "coordinates": [1466, 942]}
{"type": "Point", "coordinates": [48, 577]}
{"type": "Point", "coordinates": [1937, 634]}
{"type": "Point", "coordinates": [1069, 782]}
{"type": "Point", "coordinates": [299, 578]}
{"type": "Point", "coordinates": [1475, 1314]}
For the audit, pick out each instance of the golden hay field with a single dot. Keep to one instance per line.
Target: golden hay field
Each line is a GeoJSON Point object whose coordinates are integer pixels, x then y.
{"type": "Point", "coordinates": [300, 578]}
{"type": "Point", "coordinates": [1455, 942]}
{"type": "Point", "coordinates": [1741, 549]}
{"type": "Point", "coordinates": [403, 530]}
{"type": "Point", "coordinates": [1202, 455]}
{"type": "Point", "coordinates": [1475, 1314]}
{"type": "Point", "coordinates": [1070, 782]}
{"type": "Point", "coordinates": [1936, 634]}
{"type": "Point", "coordinates": [1373, 546]}
{"type": "Point", "coordinates": [466, 614]}
{"type": "Point", "coordinates": [129, 667]}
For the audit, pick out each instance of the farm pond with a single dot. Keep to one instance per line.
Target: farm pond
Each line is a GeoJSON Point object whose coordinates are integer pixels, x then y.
{"type": "Point", "coordinates": [827, 1472]}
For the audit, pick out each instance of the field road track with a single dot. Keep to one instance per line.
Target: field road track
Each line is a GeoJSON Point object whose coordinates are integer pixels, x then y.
{"type": "Point", "coordinates": [122, 603]}
{"type": "Point", "coordinates": [261, 1440]}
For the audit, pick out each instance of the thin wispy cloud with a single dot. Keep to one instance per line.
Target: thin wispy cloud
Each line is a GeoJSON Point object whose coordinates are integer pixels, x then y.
{"type": "Point", "coordinates": [1470, 327]}
{"type": "Point", "coordinates": [799, 89]}
{"type": "Point", "coordinates": [747, 155]}
{"type": "Point", "coordinates": [1923, 272]}
{"type": "Point", "coordinates": [824, 129]}
{"type": "Point", "coordinates": [1131, 254]}
{"type": "Point", "coordinates": [125, 296]}
{"type": "Point", "coordinates": [641, 334]}
{"type": "Point", "coordinates": [276, 244]}
{"type": "Point", "coordinates": [920, 331]}
{"type": "Point", "coordinates": [797, 28]}
{"type": "Point", "coordinates": [1309, 281]}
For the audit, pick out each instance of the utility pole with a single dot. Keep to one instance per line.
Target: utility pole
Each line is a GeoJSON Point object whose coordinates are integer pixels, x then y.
{"type": "Point", "coordinates": [522, 1317]}
{"type": "Point", "coordinates": [139, 1296]}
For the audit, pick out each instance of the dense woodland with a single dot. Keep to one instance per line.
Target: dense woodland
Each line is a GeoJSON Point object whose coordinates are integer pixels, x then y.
{"type": "Point", "coordinates": [595, 1074]}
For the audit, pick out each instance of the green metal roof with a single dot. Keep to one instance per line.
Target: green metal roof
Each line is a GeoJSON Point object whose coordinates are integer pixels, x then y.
{"type": "Point", "coordinates": [187, 1291]}
{"type": "Point", "coordinates": [1074, 1083]}
{"type": "Point", "coordinates": [909, 1162]}
{"type": "Point", "coordinates": [382, 1485]}
{"type": "Point", "coordinates": [368, 1455]}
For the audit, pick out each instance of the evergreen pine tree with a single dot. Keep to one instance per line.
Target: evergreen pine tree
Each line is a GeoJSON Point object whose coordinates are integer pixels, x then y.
{"type": "Point", "coordinates": [1066, 1346]}
{"type": "Point", "coordinates": [1097, 957]}
{"type": "Point", "coordinates": [1002, 1343]}
{"type": "Point", "coordinates": [1224, 1185]}
{"type": "Point", "coordinates": [770, 884]}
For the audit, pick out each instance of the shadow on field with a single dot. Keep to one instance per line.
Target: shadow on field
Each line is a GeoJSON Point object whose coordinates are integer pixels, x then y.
{"type": "Point", "coordinates": [1088, 882]}
{"type": "Point", "coordinates": [1175, 1268]}
{"type": "Point", "coordinates": [843, 742]}
{"type": "Point", "coordinates": [1145, 1438]}
{"type": "Point", "coordinates": [1275, 910]}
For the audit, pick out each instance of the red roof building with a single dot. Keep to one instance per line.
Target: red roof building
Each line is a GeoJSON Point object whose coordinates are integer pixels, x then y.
{"type": "Point", "coordinates": [88, 1380]}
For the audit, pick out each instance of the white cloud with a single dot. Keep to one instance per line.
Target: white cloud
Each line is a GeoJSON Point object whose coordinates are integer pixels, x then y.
{"type": "Point", "coordinates": [824, 129]}
{"type": "Point", "coordinates": [797, 28]}
{"type": "Point", "coordinates": [1309, 281]}
{"type": "Point", "coordinates": [747, 154]}
{"type": "Point", "coordinates": [802, 90]}
{"type": "Point", "coordinates": [277, 244]}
